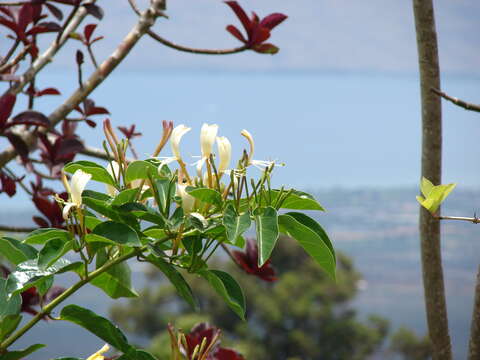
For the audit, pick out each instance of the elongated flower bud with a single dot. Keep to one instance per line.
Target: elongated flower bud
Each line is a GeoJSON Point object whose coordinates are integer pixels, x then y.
{"type": "Point", "coordinates": [114, 170]}
{"type": "Point", "coordinates": [75, 189]}
{"type": "Point", "coordinates": [224, 153]}
{"type": "Point", "coordinates": [188, 201]}
{"type": "Point", "coordinates": [176, 136]}
{"type": "Point", "coordinates": [249, 137]}
{"type": "Point", "coordinates": [208, 133]}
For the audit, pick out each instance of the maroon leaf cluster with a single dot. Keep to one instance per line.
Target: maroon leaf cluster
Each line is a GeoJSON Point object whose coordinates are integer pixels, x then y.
{"type": "Point", "coordinates": [256, 31]}
{"type": "Point", "coordinates": [129, 132]}
{"type": "Point", "coordinates": [45, 203]}
{"type": "Point", "coordinates": [7, 184]}
{"type": "Point", "coordinates": [31, 298]}
{"type": "Point", "coordinates": [248, 261]}
{"type": "Point", "coordinates": [211, 333]}
{"type": "Point", "coordinates": [86, 38]}
{"type": "Point", "coordinates": [88, 108]}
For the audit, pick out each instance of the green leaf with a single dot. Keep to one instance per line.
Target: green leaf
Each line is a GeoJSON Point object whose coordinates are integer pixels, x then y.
{"type": "Point", "coordinates": [142, 212]}
{"type": "Point", "coordinates": [44, 285]}
{"type": "Point", "coordinates": [310, 240]}
{"type": "Point", "coordinates": [28, 274]}
{"type": "Point", "coordinates": [91, 222]}
{"type": "Point", "coordinates": [101, 206]}
{"type": "Point", "coordinates": [41, 236]}
{"type": "Point", "coordinates": [235, 225]}
{"type": "Point", "coordinates": [266, 224]}
{"type": "Point", "coordinates": [313, 225]}
{"type": "Point", "coordinates": [125, 196]}
{"type": "Point", "coordinates": [9, 305]}
{"type": "Point", "coordinates": [228, 289]}
{"type": "Point", "coordinates": [137, 355]}
{"type": "Point", "coordinates": [8, 325]}
{"type": "Point", "coordinates": [140, 170]}
{"type": "Point", "coordinates": [434, 195]}
{"type": "Point", "coordinates": [175, 278]}
{"type": "Point", "coordinates": [120, 233]}
{"type": "Point", "coordinates": [97, 325]}
{"type": "Point", "coordinates": [209, 196]}
{"type": "Point", "coordinates": [99, 173]}
{"type": "Point", "coordinates": [15, 251]}
{"type": "Point", "coordinates": [96, 195]}
{"type": "Point", "coordinates": [297, 200]}
{"type": "Point", "coordinates": [165, 191]}
{"type": "Point", "coordinates": [19, 354]}
{"type": "Point", "coordinates": [116, 282]}
{"type": "Point", "coordinates": [53, 250]}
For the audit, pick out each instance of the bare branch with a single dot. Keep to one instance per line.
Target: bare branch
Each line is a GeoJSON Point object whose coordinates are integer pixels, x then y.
{"type": "Point", "coordinates": [95, 152]}
{"type": "Point", "coordinates": [172, 45]}
{"type": "Point", "coordinates": [473, 220]}
{"type": "Point", "coordinates": [144, 23]}
{"type": "Point", "coordinates": [457, 101]}
{"type": "Point", "coordinates": [474, 343]}
{"type": "Point", "coordinates": [16, 60]}
{"type": "Point", "coordinates": [17, 229]}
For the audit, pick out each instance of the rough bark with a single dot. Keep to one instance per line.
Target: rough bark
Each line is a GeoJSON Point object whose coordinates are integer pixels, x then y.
{"type": "Point", "coordinates": [474, 345]}
{"type": "Point", "coordinates": [433, 282]}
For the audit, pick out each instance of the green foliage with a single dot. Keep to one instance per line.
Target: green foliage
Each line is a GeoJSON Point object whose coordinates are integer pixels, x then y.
{"type": "Point", "coordinates": [266, 225]}
{"type": "Point", "coordinates": [433, 195]}
{"type": "Point", "coordinates": [412, 347]}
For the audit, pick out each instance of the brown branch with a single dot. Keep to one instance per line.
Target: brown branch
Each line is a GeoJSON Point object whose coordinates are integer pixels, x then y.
{"type": "Point", "coordinates": [144, 23]}
{"type": "Point", "coordinates": [17, 229]}
{"type": "Point", "coordinates": [10, 52]}
{"type": "Point", "coordinates": [473, 220]}
{"type": "Point", "coordinates": [13, 3]}
{"type": "Point", "coordinates": [96, 153]}
{"type": "Point", "coordinates": [20, 56]}
{"type": "Point", "coordinates": [172, 45]}
{"type": "Point", "coordinates": [431, 165]}
{"type": "Point", "coordinates": [457, 101]}
{"type": "Point", "coordinates": [474, 343]}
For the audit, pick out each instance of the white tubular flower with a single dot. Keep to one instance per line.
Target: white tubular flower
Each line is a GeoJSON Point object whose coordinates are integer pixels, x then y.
{"type": "Point", "coordinates": [208, 133]}
{"type": "Point", "coordinates": [99, 354]}
{"type": "Point", "coordinates": [188, 201]}
{"type": "Point", "coordinates": [175, 138]}
{"type": "Point", "coordinates": [75, 189]}
{"type": "Point", "coordinates": [177, 134]}
{"type": "Point", "coordinates": [224, 153]}
{"type": "Point", "coordinates": [114, 170]}
{"type": "Point", "coordinates": [249, 137]}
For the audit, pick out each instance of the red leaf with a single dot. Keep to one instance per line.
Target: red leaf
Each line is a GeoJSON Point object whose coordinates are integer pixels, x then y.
{"type": "Point", "coordinates": [98, 111]}
{"type": "Point", "coordinates": [248, 261]}
{"type": "Point", "coordinates": [10, 24]}
{"type": "Point", "coordinates": [242, 16]}
{"type": "Point", "coordinates": [79, 58]}
{"type": "Point", "coordinates": [44, 28]}
{"type": "Point", "coordinates": [91, 123]}
{"type": "Point", "coordinates": [94, 10]}
{"type": "Point", "coordinates": [6, 11]}
{"type": "Point", "coordinates": [88, 31]}
{"type": "Point", "coordinates": [260, 34]}
{"type": "Point", "coordinates": [98, 38]}
{"type": "Point", "coordinates": [25, 16]}
{"type": "Point", "coordinates": [30, 117]}
{"type": "Point", "coordinates": [8, 185]}
{"type": "Point", "coordinates": [69, 147]}
{"type": "Point", "coordinates": [7, 102]}
{"type": "Point", "coordinates": [266, 48]}
{"type": "Point", "coordinates": [40, 221]}
{"type": "Point", "coordinates": [227, 354]}
{"type": "Point", "coordinates": [235, 32]}
{"type": "Point", "coordinates": [272, 20]}
{"type": "Point", "coordinates": [54, 11]}
{"type": "Point", "coordinates": [47, 91]}
{"type": "Point", "coordinates": [19, 145]}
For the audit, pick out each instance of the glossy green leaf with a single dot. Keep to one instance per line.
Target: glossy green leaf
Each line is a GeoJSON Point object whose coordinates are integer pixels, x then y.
{"type": "Point", "coordinates": [15, 251]}
{"type": "Point", "coordinates": [125, 196]}
{"type": "Point", "coordinates": [91, 222]}
{"type": "Point", "coordinates": [116, 282]}
{"type": "Point", "coordinates": [142, 212]}
{"type": "Point", "coordinates": [266, 225]}
{"type": "Point", "coordinates": [165, 193]}
{"type": "Point", "coordinates": [28, 274]}
{"type": "Point", "coordinates": [297, 200]}
{"type": "Point", "coordinates": [20, 354]}
{"type": "Point", "coordinates": [175, 278]}
{"type": "Point", "coordinates": [120, 233]}
{"type": "Point", "coordinates": [53, 250]}
{"type": "Point", "coordinates": [94, 238]}
{"type": "Point", "coordinates": [99, 173]}
{"type": "Point", "coordinates": [97, 195]}
{"type": "Point", "coordinates": [310, 240]}
{"type": "Point", "coordinates": [44, 285]}
{"type": "Point", "coordinates": [209, 196]}
{"type": "Point", "coordinates": [97, 325]}
{"type": "Point", "coordinates": [9, 305]}
{"type": "Point", "coordinates": [8, 325]}
{"type": "Point", "coordinates": [102, 207]}
{"type": "Point", "coordinates": [41, 236]}
{"type": "Point", "coordinates": [137, 355]}
{"type": "Point", "coordinates": [235, 225]}
{"type": "Point", "coordinates": [228, 289]}
{"type": "Point", "coordinates": [140, 169]}
{"type": "Point", "coordinates": [313, 225]}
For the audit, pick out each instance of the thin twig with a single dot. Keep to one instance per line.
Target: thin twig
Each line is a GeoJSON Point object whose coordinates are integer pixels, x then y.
{"type": "Point", "coordinates": [17, 229]}
{"type": "Point", "coordinates": [457, 101]}
{"type": "Point", "coordinates": [172, 45]}
{"type": "Point", "coordinates": [10, 52]}
{"type": "Point", "coordinates": [20, 56]}
{"type": "Point", "coordinates": [473, 220]}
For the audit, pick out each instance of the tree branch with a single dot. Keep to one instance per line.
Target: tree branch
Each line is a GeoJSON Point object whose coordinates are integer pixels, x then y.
{"type": "Point", "coordinates": [172, 45]}
{"type": "Point", "coordinates": [17, 229]}
{"type": "Point", "coordinates": [431, 165]}
{"type": "Point", "coordinates": [457, 101]}
{"type": "Point", "coordinates": [144, 23]}
{"type": "Point", "coordinates": [474, 343]}
{"type": "Point", "coordinates": [473, 220]}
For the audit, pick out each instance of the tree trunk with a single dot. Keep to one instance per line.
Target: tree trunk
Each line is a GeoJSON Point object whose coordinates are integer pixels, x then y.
{"type": "Point", "coordinates": [431, 169]}
{"type": "Point", "coordinates": [474, 346]}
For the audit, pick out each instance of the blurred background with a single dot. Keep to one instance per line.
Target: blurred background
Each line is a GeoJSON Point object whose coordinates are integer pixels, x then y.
{"type": "Point", "coordinates": [340, 106]}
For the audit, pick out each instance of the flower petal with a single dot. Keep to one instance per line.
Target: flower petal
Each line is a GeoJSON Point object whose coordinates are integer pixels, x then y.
{"type": "Point", "coordinates": [77, 184]}
{"type": "Point", "coordinates": [272, 20]}
{"type": "Point", "coordinates": [242, 16]}
{"type": "Point", "coordinates": [235, 32]}
{"type": "Point", "coordinates": [177, 134]}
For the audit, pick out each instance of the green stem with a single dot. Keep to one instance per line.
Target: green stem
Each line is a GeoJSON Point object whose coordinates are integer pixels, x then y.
{"type": "Point", "coordinates": [48, 308]}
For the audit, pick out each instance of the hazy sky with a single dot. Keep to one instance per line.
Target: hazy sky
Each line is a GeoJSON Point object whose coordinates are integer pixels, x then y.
{"type": "Point", "coordinates": [366, 35]}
